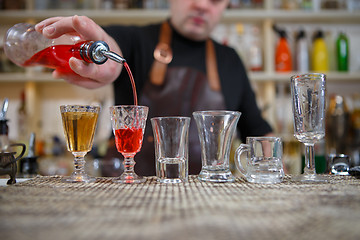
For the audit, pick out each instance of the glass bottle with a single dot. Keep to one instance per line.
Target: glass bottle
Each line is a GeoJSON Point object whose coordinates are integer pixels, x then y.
{"type": "Point", "coordinates": [255, 51]}
{"type": "Point", "coordinates": [342, 52]}
{"type": "Point", "coordinates": [337, 125]}
{"type": "Point", "coordinates": [320, 56]}
{"type": "Point", "coordinates": [4, 135]}
{"type": "Point", "coordinates": [27, 47]}
{"type": "Point", "coordinates": [302, 52]}
{"type": "Point", "coordinates": [283, 61]}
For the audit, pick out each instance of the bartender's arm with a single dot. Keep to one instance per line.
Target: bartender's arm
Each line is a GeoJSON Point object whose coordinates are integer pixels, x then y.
{"type": "Point", "coordinates": [86, 75]}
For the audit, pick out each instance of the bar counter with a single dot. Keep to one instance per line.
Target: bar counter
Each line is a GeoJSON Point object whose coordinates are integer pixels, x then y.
{"type": "Point", "coordinates": [46, 208]}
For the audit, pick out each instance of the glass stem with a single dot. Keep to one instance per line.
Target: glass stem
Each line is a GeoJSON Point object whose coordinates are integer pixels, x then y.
{"type": "Point", "coordinates": [79, 163]}
{"type": "Point", "coordinates": [129, 164]}
{"type": "Point", "coordinates": [309, 159]}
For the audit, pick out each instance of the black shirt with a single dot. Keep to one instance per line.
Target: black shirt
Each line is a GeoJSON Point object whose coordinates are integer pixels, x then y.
{"type": "Point", "coordinates": [138, 43]}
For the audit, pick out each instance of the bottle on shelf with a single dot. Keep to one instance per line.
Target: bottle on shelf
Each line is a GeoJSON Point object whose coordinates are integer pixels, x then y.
{"type": "Point", "coordinates": [342, 52]}
{"type": "Point", "coordinates": [319, 56]}
{"type": "Point", "coordinates": [26, 47]}
{"type": "Point", "coordinates": [4, 128]}
{"type": "Point", "coordinates": [302, 52]}
{"type": "Point", "coordinates": [255, 51]}
{"type": "Point", "coordinates": [355, 130]}
{"type": "Point", "coordinates": [337, 125]}
{"type": "Point", "coordinates": [283, 59]}
{"type": "Point", "coordinates": [22, 117]}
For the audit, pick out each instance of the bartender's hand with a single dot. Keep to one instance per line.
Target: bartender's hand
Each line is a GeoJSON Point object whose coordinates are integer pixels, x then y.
{"type": "Point", "coordinates": [87, 75]}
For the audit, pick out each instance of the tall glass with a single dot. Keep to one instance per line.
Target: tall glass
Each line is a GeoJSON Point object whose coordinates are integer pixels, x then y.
{"type": "Point", "coordinates": [308, 95]}
{"type": "Point", "coordinates": [128, 123]}
{"type": "Point", "coordinates": [79, 124]}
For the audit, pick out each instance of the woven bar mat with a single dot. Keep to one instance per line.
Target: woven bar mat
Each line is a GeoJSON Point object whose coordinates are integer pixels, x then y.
{"type": "Point", "coordinates": [46, 208]}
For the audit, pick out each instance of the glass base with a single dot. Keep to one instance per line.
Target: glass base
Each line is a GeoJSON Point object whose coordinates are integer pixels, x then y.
{"type": "Point", "coordinates": [311, 178]}
{"type": "Point", "coordinates": [170, 180]}
{"type": "Point", "coordinates": [216, 176]}
{"type": "Point", "coordinates": [129, 178]}
{"type": "Point", "coordinates": [79, 179]}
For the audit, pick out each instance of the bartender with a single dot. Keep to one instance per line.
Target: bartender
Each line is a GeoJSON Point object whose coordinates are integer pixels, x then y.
{"type": "Point", "coordinates": [178, 69]}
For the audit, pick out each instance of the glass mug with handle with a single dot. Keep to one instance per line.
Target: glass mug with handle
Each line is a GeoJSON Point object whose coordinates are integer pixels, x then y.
{"type": "Point", "coordinates": [264, 160]}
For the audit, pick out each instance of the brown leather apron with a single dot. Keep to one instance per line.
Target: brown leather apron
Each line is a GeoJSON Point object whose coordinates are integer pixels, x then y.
{"type": "Point", "coordinates": [177, 91]}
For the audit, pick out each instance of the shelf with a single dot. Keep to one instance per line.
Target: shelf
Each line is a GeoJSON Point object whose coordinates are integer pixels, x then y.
{"type": "Point", "coordinates": [348, 77]}
{"type": "Point", "coordinates": [254, 76]}
{"type": "Point", "coordinates": [27, 77]}
{"type": "Point", "coordinates": [141, 16]}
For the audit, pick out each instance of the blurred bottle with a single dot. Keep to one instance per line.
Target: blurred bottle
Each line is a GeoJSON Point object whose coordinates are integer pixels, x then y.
{"type": "Point", "coordinates": [337, 125]}
{"type": "Point", "coordinates": [342, 52]}
{"type": "Point", "coordinates": [307, 4]}
{"type": "Point", "coordinates": [234, 4]}
{"type": "Point", "coordinates": [355, 131]}
{"type": "Point", "coordinates": [302, 52]}
{"type": "Point", "coordinates": [320, 56]}
{"type": "Point", "coordinates": [316, 5]}
{"type": "Point", "coordinates": [283, 61]}
{"type": "Point", "coordinates": [4, 128]}
{"type": "Point", "coordinates": [290, 4]}
{"type": "Point", "coordinates": [22, 118]}
{"type": "Point", "coordinates": [4, 135]}
{"type": "Point", "coordinates": [255, 51]}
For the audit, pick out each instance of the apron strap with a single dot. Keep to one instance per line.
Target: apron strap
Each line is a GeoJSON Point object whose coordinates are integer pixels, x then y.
{"type": "Point", "coordinates": [211, 66]}
{"type": "Point", "coordinates": [163, 56]}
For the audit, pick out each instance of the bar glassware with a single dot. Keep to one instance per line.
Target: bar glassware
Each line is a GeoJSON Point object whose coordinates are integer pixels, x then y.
{"type": "Point", "coordinates": [79, 123]}
{"type": "Point", "coordinates": [128, 122]}
{"type": "Point", "coordinates": [308, 104]}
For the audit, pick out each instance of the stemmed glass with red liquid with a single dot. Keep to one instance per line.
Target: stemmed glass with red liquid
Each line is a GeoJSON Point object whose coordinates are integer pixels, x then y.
{"type": "Point", "coordinates": [128, 123]}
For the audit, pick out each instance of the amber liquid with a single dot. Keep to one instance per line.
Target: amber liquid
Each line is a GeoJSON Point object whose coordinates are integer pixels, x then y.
{"type": "Point", "coordinates": [79, 129]}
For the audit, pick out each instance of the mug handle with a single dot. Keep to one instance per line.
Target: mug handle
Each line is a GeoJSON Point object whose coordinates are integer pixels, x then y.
{"type": "Point", "coordinates": [241, 149]}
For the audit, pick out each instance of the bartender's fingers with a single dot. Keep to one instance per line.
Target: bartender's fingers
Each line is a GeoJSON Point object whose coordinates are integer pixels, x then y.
{"type": "Point", "coordinates": [104, 73]}
{"type": "Point", "coordinates": [41, 25]}
{"type": "Point", "coordinates": [87, 28]}
{"type": "Point", "coordinates": [83, 26]}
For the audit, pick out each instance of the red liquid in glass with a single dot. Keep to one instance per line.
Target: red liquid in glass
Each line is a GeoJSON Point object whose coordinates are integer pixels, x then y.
{"type": "Point", "coordinates": [56, 57]}
{"type": "Point", "coordinates": [128, 140]}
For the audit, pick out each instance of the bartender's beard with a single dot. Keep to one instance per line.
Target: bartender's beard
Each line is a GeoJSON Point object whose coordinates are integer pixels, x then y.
{"type": "Point", "coordinates": [195, 27]}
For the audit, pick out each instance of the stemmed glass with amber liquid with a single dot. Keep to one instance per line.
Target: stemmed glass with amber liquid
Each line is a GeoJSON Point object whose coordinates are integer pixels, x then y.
{"type": "Point", "coordinates": [79, 124]}
{"type": "Point", "coordinates": [128, 123]}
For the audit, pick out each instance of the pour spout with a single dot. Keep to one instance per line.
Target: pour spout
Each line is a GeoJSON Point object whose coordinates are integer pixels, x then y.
{"type": "Point", "coordinates": [98, 52]}
{"type": "Point", "coordinates": [113, 56]}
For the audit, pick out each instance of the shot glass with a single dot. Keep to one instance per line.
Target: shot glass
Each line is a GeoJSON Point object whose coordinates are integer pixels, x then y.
{"type": "Point", "coordinates": [263, 161]}
{"type": "Point", "coordinates": [339, 164]}
{"type": "Point", "coordinates": [216, 130]}
{"type": "Point", "coordinates": [171, 148]}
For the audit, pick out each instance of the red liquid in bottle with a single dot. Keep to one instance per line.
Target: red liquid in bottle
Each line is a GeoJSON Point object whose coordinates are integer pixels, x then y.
{"type": "Point", "coordinates": [128, 140]}
{"type": "Point", "coordinates": [56, 57]}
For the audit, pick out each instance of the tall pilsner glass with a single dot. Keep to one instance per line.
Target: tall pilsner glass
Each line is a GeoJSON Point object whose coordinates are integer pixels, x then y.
{"type": "Point", "coordinates": [308, 95]}
{"type": "Point", "coordinates": [79, 124]}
